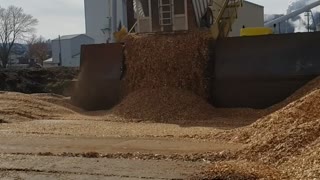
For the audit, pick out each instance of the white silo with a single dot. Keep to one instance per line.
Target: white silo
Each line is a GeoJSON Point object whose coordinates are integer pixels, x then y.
{"type": "Point", "coordinates": [103, 18]}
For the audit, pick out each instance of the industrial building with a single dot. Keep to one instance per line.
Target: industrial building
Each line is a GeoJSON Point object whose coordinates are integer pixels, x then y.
{"type": "Point", "coordinates": [104, 17]}
{"type": "Point", "coordinates": [249, 15]}
{"type": "Point", "coordinates": [69, 48]}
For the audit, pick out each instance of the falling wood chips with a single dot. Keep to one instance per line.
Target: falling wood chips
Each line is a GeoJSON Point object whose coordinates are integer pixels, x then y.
{"type": "Point", "coordinates": [167, 60]}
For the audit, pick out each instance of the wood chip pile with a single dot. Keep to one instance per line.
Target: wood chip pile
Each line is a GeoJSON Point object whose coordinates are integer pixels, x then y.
{"type": "Point", "coordinates": [167, 60]}
{"type": "Point", "coordinates": [286, 132]}
{"type": "Point", "coordinates": [306, 165]}
{"type": "Point", "coordinates": [164, 105]}
{"type": "Point", "coordinates": [239, 170]}
{"type": "Point", "coordinates": [288, 138]}
{"type": "Point", "coordinates": [22, 107]}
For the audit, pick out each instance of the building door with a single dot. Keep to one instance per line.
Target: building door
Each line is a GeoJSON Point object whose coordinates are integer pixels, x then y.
{"type": "Point", "coordinates": [180, 15]}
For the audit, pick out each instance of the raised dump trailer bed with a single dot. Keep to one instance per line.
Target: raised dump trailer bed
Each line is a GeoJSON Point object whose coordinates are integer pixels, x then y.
{"type": "Point", "coordinates": [260, 71]}
{"type": "Point", "coordinates": [252, 72]}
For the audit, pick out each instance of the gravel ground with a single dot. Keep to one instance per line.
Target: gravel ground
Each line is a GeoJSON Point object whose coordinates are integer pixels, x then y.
{"type": "Point", "coordinates": [52, 167]}
{"type": "Point", "coordinates": [107, 129]}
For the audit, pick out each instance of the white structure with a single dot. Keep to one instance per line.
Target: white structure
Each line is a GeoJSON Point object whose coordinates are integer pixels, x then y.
{"type": "Point", "coordinates": [103, 18]}
{"type": "Point", "coordinates": [70, 47]}
{"type": "Point", "coordinates": [250, 15]}
{"type": "Point", "coordinates": [156, 16]}
{"type": "Point", "coordinates": [150, 13]}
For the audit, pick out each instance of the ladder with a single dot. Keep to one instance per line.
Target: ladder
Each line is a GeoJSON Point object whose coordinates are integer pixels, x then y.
{"type": "Point", "coordinates": [226, 12]}
{"type": "Point", "coordinates": [166, 8]}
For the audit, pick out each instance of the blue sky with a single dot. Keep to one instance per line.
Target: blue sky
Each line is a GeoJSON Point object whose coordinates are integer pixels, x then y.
{"type": "Point", "coordinates": [67, 16]}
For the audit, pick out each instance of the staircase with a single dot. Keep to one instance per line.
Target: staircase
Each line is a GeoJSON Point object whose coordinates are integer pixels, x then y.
{"type": "Point", "coordinates": [166, 8]}
{"type": "Point", "coordinates": [225, 13]}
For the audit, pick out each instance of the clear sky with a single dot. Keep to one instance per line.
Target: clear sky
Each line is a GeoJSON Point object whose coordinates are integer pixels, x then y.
{"type": "Point", "coordinates": [67, 16]}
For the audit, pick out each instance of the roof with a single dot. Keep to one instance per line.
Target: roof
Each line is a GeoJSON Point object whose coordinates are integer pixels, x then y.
{"type": "Point", "coordinates": [49, 61]}
{"type": "Point", "coordinates": [68, 37]}
{"type": "Point", "coordinates": [254, 4]}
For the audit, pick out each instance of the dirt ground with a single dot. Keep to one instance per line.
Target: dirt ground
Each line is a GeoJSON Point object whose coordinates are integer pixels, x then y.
{"type": "Point", "coordinates": [42, 136]}
{"type": "Point", "coordinates": [172, 134]}
{"type": "Point", "coordinates": [72, 149]}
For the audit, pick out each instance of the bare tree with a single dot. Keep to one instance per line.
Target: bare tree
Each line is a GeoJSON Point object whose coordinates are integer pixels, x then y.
{"type": "Point", "coordinates": [38, 49]}
{"type": "Point", "coordinates": [15, 26]}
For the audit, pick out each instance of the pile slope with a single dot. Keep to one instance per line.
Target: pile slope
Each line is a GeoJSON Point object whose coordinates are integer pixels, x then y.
{"type": "Point", "coordinates": [239, 170]}
{"type": "Point", "coordinates": [164, 105]}
{"type": "Point", "coordinates": [306, 165]}
{"type": "Point", "coordinates": [288, 139]}
{"type": "Point", "coordinates": [15, 107]}
{"type": "Point", "coordinates": [285, 133]}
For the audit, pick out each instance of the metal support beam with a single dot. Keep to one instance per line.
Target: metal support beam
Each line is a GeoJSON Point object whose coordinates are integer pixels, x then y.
{"type": "Point", "coordinates": [293, 14]}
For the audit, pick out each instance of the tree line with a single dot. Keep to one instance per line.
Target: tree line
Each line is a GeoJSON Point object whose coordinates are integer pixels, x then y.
{"type": "Point", "coordinates": [18, 27]}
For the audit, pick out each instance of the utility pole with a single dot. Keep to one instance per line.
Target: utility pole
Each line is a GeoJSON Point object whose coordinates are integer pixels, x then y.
{"type": "Point", "coordinates": [307, 14]}
{"type": "Point", "coordinates": [60, 57]}
{"type": "Point", "coordinates": [279, 28]}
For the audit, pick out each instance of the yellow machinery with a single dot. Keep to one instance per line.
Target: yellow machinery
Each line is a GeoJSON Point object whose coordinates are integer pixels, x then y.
{"type": "Point", "coordinates": [225, 13]}
{"type": "Point", "coordinates": [121, 34]}
{"type": "Point", "coordinates": [220, 15]}
{"type": "Point", "coordinates": [256, 31]}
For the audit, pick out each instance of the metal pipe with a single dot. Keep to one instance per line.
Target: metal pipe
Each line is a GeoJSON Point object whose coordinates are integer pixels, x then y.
{"type": "Point", "coordinates": [109, 18]}
{"type": "Point", "coordinates": [293, 14]}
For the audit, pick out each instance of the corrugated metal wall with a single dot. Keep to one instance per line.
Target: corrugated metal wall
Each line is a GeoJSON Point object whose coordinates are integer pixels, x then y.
{"type": "Point", "coordinates": [200, 8]}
